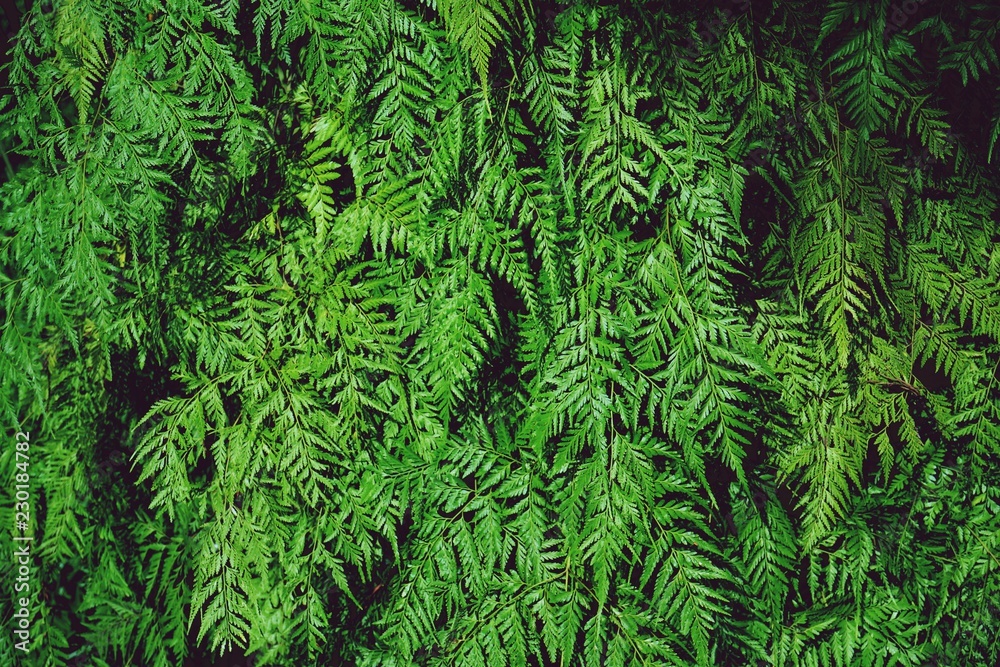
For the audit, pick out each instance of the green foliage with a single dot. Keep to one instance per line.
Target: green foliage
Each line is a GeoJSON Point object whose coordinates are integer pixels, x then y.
{"type": "Point", "coordinates": [495, 333]}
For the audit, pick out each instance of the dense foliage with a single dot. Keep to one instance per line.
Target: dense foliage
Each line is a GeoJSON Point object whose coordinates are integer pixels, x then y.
{"type": "Point", "coordinates": [485, 333]}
